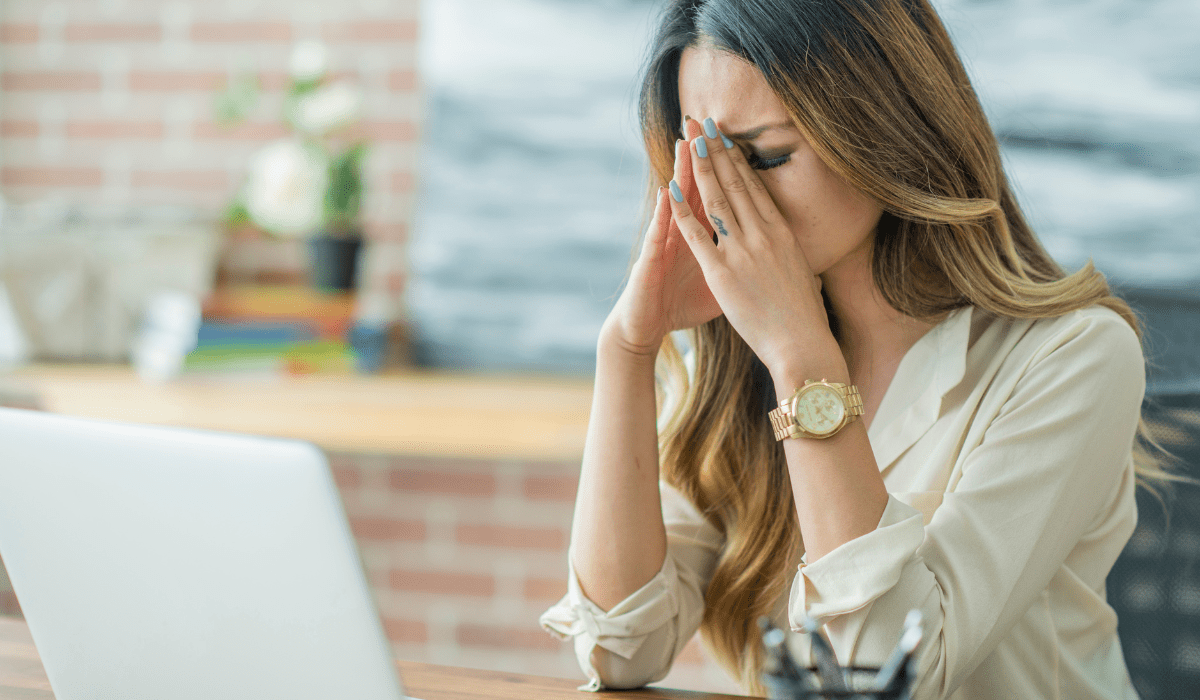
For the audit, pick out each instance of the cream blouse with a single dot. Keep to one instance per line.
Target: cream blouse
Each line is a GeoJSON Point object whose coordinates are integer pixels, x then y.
{"type": "Point", "coordinates": [1005, 446]}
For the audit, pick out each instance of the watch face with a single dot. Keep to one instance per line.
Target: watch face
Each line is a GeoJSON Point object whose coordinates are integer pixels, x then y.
{"type": "Point", "coordinates": [819, 409]}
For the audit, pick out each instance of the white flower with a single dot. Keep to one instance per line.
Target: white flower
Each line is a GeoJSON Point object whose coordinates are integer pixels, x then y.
{"type": "Point", "coordinates": [286, 189]}
{"type": "Point", "coordinates": [309, 61]}
{"type": "Point", "coordinates": [328, 108]}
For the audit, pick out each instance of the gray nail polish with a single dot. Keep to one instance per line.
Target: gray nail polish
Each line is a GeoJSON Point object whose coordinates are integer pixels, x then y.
{"type": "Point", "coordinates": [701, 148]}
{"type": "Point", "coordinates": [710, 128]}
{"type": "Point", "coordinates": [725, 140]}
{"type": "Point", "coordinates": [676, 194]}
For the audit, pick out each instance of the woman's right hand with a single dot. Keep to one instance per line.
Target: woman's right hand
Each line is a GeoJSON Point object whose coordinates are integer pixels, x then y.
{"type": "Point", "coordinates": [666, 289]}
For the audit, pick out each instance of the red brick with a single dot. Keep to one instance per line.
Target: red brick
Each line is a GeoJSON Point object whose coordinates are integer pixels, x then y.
{"type": "Point", "coordinates": [387, 232]}
{"type": "Point", "coordinates": [402, 80]}
{"type": "Point", "coordinates": [18, 33]}
{"type": "Point", "coordinates": [396, 30]}
{"type": "Point", "coordinates": [442, 482]}
{"type": "Point", "coordinates": [511, 537]}
{"type": "Point", "coordinates": [191, 180]}
{"type": "Point", "coordinates": [241, 32]}
{"type": "Point", "coordinates": [50, 80]}
{"type": "Point", "coordinates": [19, 129]}
{"type": "Point", "coordinates": [114, 130]}
{"type": "Point", "coordinates": [390, 529]}
{"type": "Point", "coordinates": [9, 604]}
{"type": "Point", "coordinates": [551, 488]}
{"type": "Point", "coordinates": [49, 176]}
{"type": "Point", "coordinates": [251, 131]}
{"type": "Point", "coordinates": [403, 182]}
{"type": "Point", "coordinates": [405, 631]}
{"type": "Point", "coordinates": [112, 32]}
{"type": "Point", "coordinates": [443, 582]}
{"type": "Point", "coordinates": [506, 637]}
{"type": "Point", "coordinates": [390, 131]}
{"type": "Point", "coordinates": [395, 282]}
{"type": "Point", "coordinates": [346, 476]}
{"type": "Point", "coordinates": [167, 81]}
{"type": "Point", "coordinates": [549, 589]}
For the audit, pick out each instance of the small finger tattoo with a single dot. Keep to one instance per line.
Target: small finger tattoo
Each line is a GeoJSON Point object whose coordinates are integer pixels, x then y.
{"type": "Point", "coordinates": [720, 226]}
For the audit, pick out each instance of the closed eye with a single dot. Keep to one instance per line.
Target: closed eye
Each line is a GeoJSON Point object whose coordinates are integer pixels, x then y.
{"type": "Point", "coordinates": [759, 163]}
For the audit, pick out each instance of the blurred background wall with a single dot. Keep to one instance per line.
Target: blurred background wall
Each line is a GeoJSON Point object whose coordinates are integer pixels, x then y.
{"type": "Point", "coordinates": [107, 108]}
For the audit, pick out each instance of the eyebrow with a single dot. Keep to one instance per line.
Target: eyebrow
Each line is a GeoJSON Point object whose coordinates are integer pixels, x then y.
{"type": "Point", "coordinates": [751, 134]}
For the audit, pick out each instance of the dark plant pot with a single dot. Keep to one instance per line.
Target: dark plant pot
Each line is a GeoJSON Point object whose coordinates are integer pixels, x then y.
{"type": "Point", "coordinates": [334, 262]}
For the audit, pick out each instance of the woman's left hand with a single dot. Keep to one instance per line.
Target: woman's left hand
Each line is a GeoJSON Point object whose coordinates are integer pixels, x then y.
{"type": "Point", "coordinates": [754, 265]}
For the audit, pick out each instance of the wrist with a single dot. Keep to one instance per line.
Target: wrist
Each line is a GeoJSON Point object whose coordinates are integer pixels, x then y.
{"type": "Point", "coordinates": [613, 344]}
{"type": "Point", "coordinates": [825, 364]}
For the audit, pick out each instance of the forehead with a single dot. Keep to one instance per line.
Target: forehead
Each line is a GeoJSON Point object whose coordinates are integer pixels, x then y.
{"type": "Point", "coordinates": [717, 84]}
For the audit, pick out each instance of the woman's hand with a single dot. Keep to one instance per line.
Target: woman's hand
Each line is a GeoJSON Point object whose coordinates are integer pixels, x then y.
{"type": "Point", "coordinates": [666, 289]}
{"type": "Point", "coordinates": [755, 269]}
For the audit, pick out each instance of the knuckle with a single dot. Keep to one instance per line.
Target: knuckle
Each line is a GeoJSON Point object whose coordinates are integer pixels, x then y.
{"type": "Point", "coordinates": [719, 203]}
{"type": "Point", "coordinates": [736, 186]}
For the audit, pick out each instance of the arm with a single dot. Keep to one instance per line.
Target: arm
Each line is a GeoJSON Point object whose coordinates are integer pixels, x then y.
{"type": "Point", "coordinates": [1043, 474]}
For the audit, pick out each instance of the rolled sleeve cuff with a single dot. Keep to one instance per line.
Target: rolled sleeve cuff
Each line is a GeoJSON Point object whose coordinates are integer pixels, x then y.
{"type": "Point", "coordinates": [852, 576]}
{"type": "Point", "coordinates": [622, 629]}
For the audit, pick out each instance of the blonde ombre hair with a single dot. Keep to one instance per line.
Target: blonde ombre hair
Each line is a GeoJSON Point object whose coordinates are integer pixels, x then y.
{"type": "Point", "coordinates": [880, 93]}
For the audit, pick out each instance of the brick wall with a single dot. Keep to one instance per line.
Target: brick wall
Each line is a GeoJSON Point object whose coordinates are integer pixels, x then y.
{"type": "Point", "coordinates": [464, 555]}
{"type": "Point", "coordinates": [111, 101]}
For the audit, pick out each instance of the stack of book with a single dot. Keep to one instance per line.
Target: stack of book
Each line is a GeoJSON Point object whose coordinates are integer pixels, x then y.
{"type": "Point", "coordinates": [280, 329]}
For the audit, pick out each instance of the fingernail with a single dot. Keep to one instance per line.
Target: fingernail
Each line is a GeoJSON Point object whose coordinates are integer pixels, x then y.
{"type": "Point", "coordinates": [710, 128]}
{"type": "Point", "coordinates": [725, 140]}
{"type": "Point", "coordinates": [676, 194]}
{"type": "Point", "coordinates": [678, 149]}
{"type": "Point", "coordinates": [701, 148]}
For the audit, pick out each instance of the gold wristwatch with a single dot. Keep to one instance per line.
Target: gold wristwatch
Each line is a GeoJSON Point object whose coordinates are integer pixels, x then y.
{"type": "Point", "coordinates": [817, 410]}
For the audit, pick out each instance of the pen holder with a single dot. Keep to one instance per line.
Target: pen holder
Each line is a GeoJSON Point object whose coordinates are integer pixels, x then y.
{"type": "Point", "coordinates": [787, 680]}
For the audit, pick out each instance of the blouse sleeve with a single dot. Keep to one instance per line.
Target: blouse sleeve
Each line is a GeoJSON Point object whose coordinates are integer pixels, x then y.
{"type": "Point", "coordinates": [637, 640]}
{"type": "Point", "coordinates": [1039, 479]}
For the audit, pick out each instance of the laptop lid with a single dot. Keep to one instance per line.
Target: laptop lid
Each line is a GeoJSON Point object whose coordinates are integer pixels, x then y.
{"type": "Point", "coordinates": [173, 564]}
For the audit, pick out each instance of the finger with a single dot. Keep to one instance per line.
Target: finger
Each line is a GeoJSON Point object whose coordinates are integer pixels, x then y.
{"type": "Point", "coordinates": [720, 210]}
{"type": "Point", "coordinates": [724, 191]}
{"type": "Point", "coordinates": [660, 225]}
{"type": "Point", "coordinates": [729, 160]}
{"type": "Point", "coordinates": [694, 233]}
{"type": "Point", "coordinates": [685, 177]}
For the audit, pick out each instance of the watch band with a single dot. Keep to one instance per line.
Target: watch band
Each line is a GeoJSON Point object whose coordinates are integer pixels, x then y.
{"type": "Point", "coordinates": [785, 426]}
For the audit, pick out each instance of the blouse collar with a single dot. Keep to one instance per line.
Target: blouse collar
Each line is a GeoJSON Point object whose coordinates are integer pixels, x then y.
{"type": "Point", "coordinates": [933, 366]}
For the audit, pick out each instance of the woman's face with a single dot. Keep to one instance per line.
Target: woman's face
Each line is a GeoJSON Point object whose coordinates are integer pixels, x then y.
{"type": "Point", "coordinates": [833, 221]}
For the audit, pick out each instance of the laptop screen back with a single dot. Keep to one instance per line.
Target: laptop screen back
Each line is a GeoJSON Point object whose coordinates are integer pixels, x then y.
{"type": "Point", "coordinates": [174, 564]}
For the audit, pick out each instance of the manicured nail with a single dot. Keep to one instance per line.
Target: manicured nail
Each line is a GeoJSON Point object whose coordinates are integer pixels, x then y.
{"type": "Point", "coordinates": [725, 140]}
{"type": "Point", "coordinates": [676, 194]}
{"type": "Point", "coordinates": [701, 148]}
{"type": "Point", "coordinates": [710, 128]}
{"type": "Point", "coordinates": [679, 148]}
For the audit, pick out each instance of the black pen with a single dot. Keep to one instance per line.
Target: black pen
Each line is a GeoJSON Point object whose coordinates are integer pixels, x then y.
{"type": "Point", "coordinates": [907, 644]}
{"type": "Point", "coordinates": [827, 665]}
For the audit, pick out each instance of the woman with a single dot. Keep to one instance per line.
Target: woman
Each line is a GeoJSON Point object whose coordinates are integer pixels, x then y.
{"type": "Point", "coordinates": [838, 214]}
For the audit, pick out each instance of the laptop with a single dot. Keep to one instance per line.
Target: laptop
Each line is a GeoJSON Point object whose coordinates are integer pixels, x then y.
{"type": "Point", "coordinates": [172, 564]}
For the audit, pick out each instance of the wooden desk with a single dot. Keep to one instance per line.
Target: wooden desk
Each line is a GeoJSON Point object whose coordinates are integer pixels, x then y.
{"type": "Point", "coordinates": [22, 677]}
{"type": "Point", "coordinates": [415, 413]}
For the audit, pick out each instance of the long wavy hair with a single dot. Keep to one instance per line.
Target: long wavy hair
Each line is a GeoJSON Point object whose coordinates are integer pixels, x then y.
{"type": "Point", "coordinates": [881, 95]}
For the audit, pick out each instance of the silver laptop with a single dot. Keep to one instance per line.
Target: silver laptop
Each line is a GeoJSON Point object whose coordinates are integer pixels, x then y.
{"type": "Point", "coordinates": [171, 564]}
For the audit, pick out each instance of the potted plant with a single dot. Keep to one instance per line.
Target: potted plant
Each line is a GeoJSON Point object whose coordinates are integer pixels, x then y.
{"type": "Point", "coordinates": [308, 184]}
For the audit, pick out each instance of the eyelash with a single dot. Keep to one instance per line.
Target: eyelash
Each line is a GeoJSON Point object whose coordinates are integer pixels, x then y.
{"type": "Point", "coordinates": [759, 163]}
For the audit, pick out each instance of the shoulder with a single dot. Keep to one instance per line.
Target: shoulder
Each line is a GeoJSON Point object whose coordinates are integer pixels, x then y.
{"type": "Point", "coordinates": [1091, 355]}
{"type": "Point", "coordinates": [1087, 336]}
